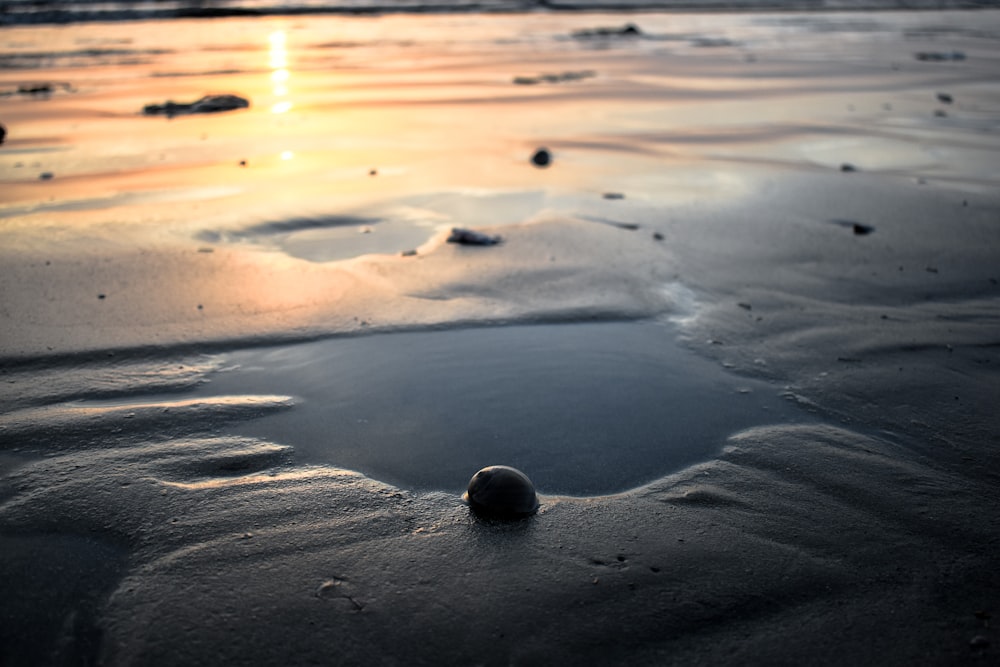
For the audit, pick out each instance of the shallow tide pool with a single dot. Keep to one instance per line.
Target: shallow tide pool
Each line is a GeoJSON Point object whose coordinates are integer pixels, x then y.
{"type": "Point", "coordinates": [583, 409]}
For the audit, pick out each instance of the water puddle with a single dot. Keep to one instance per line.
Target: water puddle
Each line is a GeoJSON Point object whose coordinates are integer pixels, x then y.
{"type": "Point", "coordinates": [583, 409]}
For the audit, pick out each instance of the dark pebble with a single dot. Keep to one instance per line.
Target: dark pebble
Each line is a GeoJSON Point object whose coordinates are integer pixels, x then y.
{"type": "Point", "coordinates": [207, 104]}
{"type": "Point", "coordinates": [46, 176]}
{"type": "Point", "coordinates": [848, 168]}
{"type": "Point", "coordinates": [37, 89]}
{"type": "Point", "coordinates": [945, 98]}
{"type": "Point", "coordinates": [469, 237]}
{"type": "Point", "coordinates": [614, 195]}
{"type": "Point", "coordinates": [627, 30]}
{"type": "Point", "coordinates": [501, 491]}
{"type": "Point", "coordinates": [541, 158]}
{"type": "Point", "coordinates": [939, 56]}
{"type": "Point", "coordinates": [3, 133]}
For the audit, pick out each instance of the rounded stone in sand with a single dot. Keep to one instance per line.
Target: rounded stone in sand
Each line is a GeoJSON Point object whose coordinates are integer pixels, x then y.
{"type": "Point", "coordinates": [542, 158]}
{"type": "Point", "coordinates": [501, 491]}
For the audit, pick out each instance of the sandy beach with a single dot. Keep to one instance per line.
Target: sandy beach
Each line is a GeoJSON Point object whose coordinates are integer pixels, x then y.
{"type": "Point", "coordinates": [742, 330]}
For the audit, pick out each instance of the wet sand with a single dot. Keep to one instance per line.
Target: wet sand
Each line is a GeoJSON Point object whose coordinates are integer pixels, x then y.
{"type": "Point", "coordinates": [786, 208]}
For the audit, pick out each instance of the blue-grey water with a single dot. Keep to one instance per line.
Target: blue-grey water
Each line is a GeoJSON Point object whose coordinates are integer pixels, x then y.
{"type": "Point", "coordinates": [582, 408]}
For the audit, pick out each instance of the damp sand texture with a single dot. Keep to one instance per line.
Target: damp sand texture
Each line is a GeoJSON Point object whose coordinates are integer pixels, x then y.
{"type": "Point", "coordinates": [786, 202]}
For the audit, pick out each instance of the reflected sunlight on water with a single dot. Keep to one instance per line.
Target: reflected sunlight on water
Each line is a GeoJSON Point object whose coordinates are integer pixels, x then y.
{"type": "Point", "coordinates": [349, 114]}
{"type": "Point", "coordinates": [279, 72]}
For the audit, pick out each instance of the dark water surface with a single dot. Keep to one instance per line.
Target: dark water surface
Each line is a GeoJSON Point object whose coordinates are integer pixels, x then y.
{"type": "Point", "coordinates": [582, 408]}
{"type": "Point", "coordinates": [65, 11]}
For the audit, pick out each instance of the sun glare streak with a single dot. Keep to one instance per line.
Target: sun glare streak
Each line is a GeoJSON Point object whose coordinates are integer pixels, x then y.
{"type": "Point", "coordinates": [280, 74]}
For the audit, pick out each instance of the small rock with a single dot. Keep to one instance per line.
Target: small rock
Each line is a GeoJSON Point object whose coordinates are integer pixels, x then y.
{"type": "Point", "coordinates": [553, 78]}
{"type": "Point", "coordinates": [939, 56]}
{"type": "Point", "coordinates": [861, 230]}
{"type": "Point", "coordinates": [207, 104]}
{"type": "Point", "coordinates": [657, 236]}
{"type": "Point", "coordinates": [328, 589]}
{"type": "Point", "coordinates": [3, 133]}
{"type": "Point", "coordinates": [36, 89]}
{"type": "Point", "coordinates": [627, 30]}
{"type": "Point", "coordinates": [614, 195]}
{"type": "Point", "coordinates": [979, 642]}
{"type": "Point", "coordinates": [46, 176]}
{"type": "Point", "coordinates": [102, 296]}
{"type": "Point", "coordinates": [470, 237]}
{"type": "Point", "coordinates": [501, 491]}
{"type": "Point", "coordinates": [945, 98]}
{"type": "Point", "coordinates": [373, 172]}
{"type": "Point", "coordinates": [848, 167]}
{"type": "Point", "coordinates": [940, 113]}
{"type": "Point", "coordinates": [243, 163]}
{"type": "Point", "coordinates": [542, 158]}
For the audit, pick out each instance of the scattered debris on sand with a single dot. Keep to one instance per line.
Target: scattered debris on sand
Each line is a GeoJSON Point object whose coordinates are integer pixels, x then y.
{"type": "Point", "coordinates": [939, 56]}
{"type": "Point", "coordinates": [207, 104]}
{"type": "Point", "coordinates": [42, 90]}
{"type": "Point", "coordinates": [859, 228]}
{"type": "Point", "coordinates": [627, 30]}
{"type": "Point", "coordinates": [469, 237]}
{"type": "Point", "coordinates": [561, 77]}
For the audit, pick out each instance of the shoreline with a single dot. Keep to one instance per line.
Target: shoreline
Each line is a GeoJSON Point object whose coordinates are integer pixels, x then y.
{"type": "Point", "coordinates": [681, 7]}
